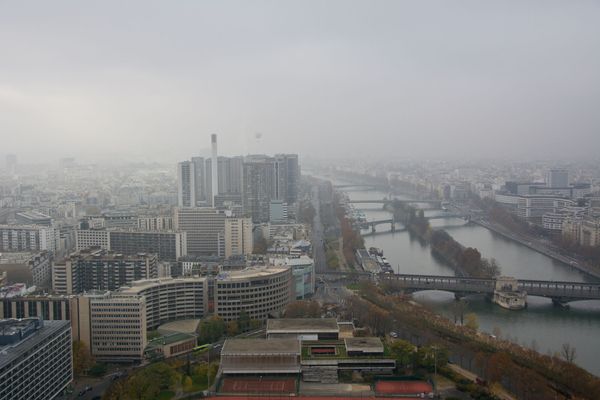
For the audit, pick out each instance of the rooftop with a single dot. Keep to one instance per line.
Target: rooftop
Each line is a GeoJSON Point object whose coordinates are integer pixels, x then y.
{"type": "Point", "coordinates": [143, 284]}
{"type": "Point", "coordinates": [102, 254]}
{"type": "Point", "coordinates": [250, 272]}
{"type": "Point", "coordinates": [10, 353]}
{"type": "Point", "coordinates": [261, 346]}
{"type": "Point", "coordinates": [302, 325]}
{"type": "Point", "coordinates": [364, 344]}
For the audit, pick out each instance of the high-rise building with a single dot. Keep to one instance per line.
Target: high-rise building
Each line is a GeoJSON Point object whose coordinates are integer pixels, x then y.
{"type": "Point", "coordinates": [293, 177]}
{"type": "Point", "coordinates": [36, 361]}
{"type": "Point", "coordinates": [214, 169]}
{"type": "Point", "coordinates": [200, 176]}
{"type": "Point", "coordinates": [258, 187]}
{"type": "Point", "coordinates": [186, 184]}
{"type": "Point", "coordinates": [101, 270]}
{"type": "Point", "coordinates": [204, 227]}
{"type": "Point", "coordinates": [238, 237]}
{"type": "Point", "coordinates": [278, 211]}
{"type": "Point", "coordinates": [557, 178]}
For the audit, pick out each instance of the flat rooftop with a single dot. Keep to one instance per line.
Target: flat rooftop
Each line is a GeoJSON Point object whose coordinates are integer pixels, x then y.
{"type": "Point", "coordinates": [250, 272]}
{"type": "Point", "coordinates": [143, 284]}
{"type": "Point", "coordinates": [170, 339]}
{"type": "Point", "coordinates": [10, 353]}
{"type": "Point", "coordinates": [364, 344]}
{"type": "Point", "coordinates": [261, 347]}
{"type": "Point", "coordinates": [292, 325]}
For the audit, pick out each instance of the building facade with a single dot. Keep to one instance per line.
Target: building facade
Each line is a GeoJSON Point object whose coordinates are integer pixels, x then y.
{"type": "Point", "coordinates": [28, 238]}
{"type": "Point", "coordinates": [101, 270]}
{"type": "Point", "coordinates": [36, 361]}
{"type": "Point", "coordinates": [204, 227]}
{"type": "Point", "coordinates": [238, 237]}
{"type": "Point", "coordinates": [260, 292]}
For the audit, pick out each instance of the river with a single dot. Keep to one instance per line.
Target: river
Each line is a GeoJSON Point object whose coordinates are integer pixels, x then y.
{"type": "Point", "coordinates": [541, 326]}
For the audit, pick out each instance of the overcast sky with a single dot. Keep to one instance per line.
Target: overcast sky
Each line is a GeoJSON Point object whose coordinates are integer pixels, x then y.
{"type": "Point", "coordinates": [152, 80]}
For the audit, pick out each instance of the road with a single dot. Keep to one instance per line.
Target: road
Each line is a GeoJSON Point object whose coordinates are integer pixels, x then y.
{"type": "Point", "coordinates": [317, 234]}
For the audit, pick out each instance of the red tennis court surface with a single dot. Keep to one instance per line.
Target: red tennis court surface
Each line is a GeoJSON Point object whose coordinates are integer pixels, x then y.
{"type": "Point", "coordinates": [402, 387]}
{"type": "Point", "coordinates": [258, 385]}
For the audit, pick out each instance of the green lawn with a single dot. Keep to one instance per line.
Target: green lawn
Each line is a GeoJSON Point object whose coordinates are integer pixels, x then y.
{"type": "Point", "coordinates": [166, 395]}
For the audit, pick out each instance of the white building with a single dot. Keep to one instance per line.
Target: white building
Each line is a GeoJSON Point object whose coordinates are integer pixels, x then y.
{"type": "Point", "coordinates": [238, 237]}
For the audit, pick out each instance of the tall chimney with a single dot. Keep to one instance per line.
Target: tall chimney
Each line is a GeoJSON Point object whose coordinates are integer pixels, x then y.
{"type": "Point", "coordinates": [214, 168]}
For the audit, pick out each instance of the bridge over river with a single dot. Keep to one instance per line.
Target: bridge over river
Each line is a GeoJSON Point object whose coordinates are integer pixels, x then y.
{"type": "Point", "coordinates": [559, 292]}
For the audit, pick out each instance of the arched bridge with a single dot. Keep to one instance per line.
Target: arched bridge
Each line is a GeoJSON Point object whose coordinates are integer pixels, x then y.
{"type": "Point", "coordinates": [560, 292]}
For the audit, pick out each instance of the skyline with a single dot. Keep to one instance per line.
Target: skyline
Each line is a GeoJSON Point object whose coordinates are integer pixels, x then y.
{"type": "Point", "coordinates": [339, 80]}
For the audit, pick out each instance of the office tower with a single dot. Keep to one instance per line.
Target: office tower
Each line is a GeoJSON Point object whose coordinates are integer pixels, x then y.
{"type": "Point", "coordinates": [101, 270]}
{"type": "Point", "coordinates": [36, 361]}
{"type": "Point", "coordinates": [557, 178]}
{"type": "Point", "coordinates": [186, 184]}
{"type": "Point", "coordinates": [238, 237]}
{"type": "Point", "coordinates": [214, 169]}
{"type": "Point", "coordinates": [204, 227]}
{"type": "Point", "coordinates": [258, 187]}
{"type": "Point", "coordinates": [111, 324]}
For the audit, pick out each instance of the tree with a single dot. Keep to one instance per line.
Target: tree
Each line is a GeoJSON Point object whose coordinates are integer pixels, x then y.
{"type": "Point", "coordinates": [471, 321]}
{"type": "Point", "coordinates": [141, 387]}
{"type": "Point", "coordinates": [243, 321]}
{"type": "Point", "coordinates": [82, 358]}
{"type": "Point", "coordinates": [260, 246]}
{"type": "Point", "coordinates": [210, 330]}
{"type": "Point", "coordinates": [403, 352]}
{"type": "Point", "coordinates": [568, 352]}
{"type": "Point", "coordinates": [232, 328]}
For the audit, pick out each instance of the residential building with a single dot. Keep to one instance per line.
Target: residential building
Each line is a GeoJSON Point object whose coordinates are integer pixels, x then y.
{"type": "Point", "coordinates": [258, 187]}
{"type": "Point", "coordinates": [186, 184]}
{"type": "Point", "coordinates": [156, 223]}
{"type": "Point", "coordinates": [238, 237]}
{"type": "Point", "coordinates": [31, 268]}
{"type": "Point", "coordinates": [28, 238]}
{"type": "Point", "coordinates": [168, 245]}
{"type": "Point", "coordinates": [36, 361]}
{"type": "Point", "coordinates": [101, 270]}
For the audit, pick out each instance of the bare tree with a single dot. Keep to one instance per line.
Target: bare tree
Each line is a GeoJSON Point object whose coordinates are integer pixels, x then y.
{"type": "Point", "coordinates": [568, 352]}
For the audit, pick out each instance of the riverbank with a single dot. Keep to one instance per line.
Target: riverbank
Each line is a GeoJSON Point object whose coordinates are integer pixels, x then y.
{"type": "Point", "coordinates": [540, 248]}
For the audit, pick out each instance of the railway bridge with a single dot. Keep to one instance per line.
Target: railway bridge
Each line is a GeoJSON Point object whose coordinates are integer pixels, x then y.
{"type": "Point", "coordinates": [560, 292]}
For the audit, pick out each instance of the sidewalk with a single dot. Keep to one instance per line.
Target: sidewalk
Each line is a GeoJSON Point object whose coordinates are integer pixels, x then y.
{"type": "Point", "coordinates": [503, 394]}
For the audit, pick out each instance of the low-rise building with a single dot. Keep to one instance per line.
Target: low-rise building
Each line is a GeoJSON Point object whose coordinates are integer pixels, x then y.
{"type": "Point", "coordinates": [303, 328]}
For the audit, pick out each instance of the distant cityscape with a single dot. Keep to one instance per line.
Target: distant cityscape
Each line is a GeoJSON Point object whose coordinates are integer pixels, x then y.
{"type": "Point", "coordinates": [245, 260]}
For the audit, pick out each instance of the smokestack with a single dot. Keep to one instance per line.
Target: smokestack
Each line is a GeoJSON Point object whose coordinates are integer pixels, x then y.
{"type": "Point", "coordinates": [214, 168]}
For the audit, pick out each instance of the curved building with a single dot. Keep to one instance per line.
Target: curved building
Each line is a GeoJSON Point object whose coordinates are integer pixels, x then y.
{"type": "Point", "coordinates": [169, 299]}
{"type": "Point", "coordinates": [260, 291]}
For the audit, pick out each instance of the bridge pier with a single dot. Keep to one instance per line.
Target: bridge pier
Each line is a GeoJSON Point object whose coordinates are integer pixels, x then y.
{"type": "Point", "coordinates": [560, 303]}
{"type": "Point", "coordinates": [393, 227]}
{"type": "Point", "coordinates": [373, 228]}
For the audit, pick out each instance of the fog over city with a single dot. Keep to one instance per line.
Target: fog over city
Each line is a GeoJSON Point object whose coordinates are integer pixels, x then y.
{"type": "Point", "coordinates": [151, 80]}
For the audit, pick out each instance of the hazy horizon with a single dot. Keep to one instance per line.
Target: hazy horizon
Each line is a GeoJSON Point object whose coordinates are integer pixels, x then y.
{"type": "Point", "coordinates": [150, 81]}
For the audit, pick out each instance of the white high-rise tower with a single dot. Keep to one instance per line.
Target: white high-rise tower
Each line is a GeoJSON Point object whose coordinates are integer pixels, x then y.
{"type": "Point", "coordinates": [214, 168]}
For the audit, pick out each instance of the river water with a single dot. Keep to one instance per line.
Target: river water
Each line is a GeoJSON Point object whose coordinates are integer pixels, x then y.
{"type": "Point", "coordinates": [541, 326]}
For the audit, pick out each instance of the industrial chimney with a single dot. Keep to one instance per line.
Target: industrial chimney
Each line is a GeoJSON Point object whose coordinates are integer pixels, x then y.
{"type": "Point", "coordinates": [214, 168]}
